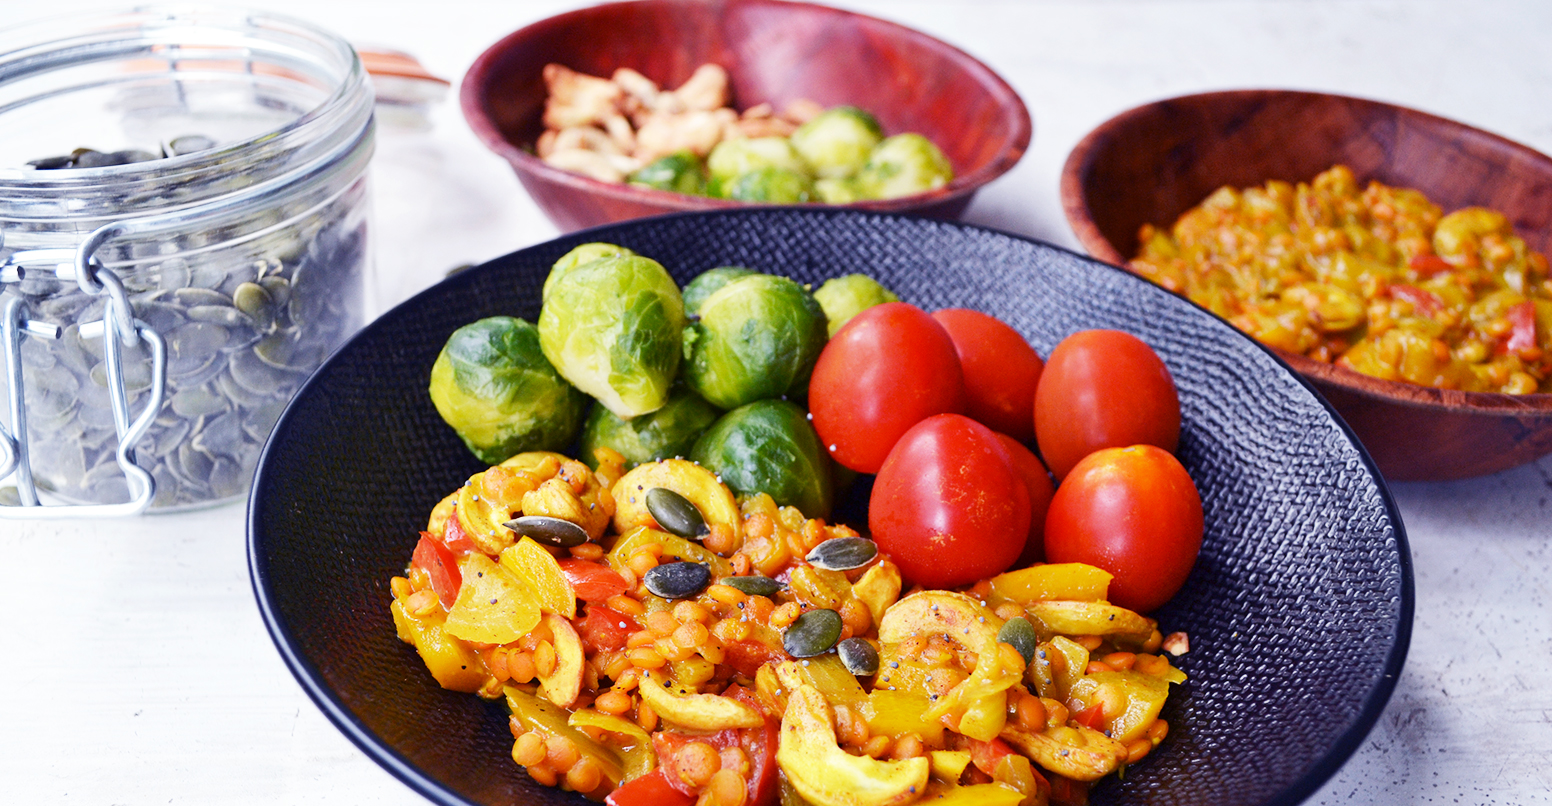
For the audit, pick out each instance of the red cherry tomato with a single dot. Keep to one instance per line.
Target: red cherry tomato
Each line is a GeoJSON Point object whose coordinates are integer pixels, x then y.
{"type": "Point", "coordinates": [440, 565]}
{"type": "Point", "coordinates": [1038, 483]}
{"type": "Point", "coordinates": [1001, 370]}
{"type": "Point", "coordinates": [1103, 389]}
{"type": "Point", "coordinates": [889, 368]}
{"type": "Point", "coordinates": [1133, 512]}
{"type": "Point", "coordinates": [948, 506]}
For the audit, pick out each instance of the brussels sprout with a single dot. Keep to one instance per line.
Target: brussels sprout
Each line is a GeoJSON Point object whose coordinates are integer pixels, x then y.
{"type": "Point", "coordinates": [613, 328]}
{"type": "Point", "coordinates": [837, 191]}
{"type": "Point", "coordinates": [837, 142]}
{"type": "Point", "coordinates": [586, 253]}
{"type": "Point", "coordinates": [668, 432]}
{"type": "Point", "coordinates": [904, 165]}
{"type": "Point", "coordinates": [492, 384]}
{"type": "Point", "coordinates": [733, 158]}
{"type": "Point", "coordinates": [768, 446]}
{"type": "Point", "coordinates": [845, 297]}
{"type": "Point", "coordinates": [709, 282]}
{"type": "Point", "coordinates": [770, 185]}
{"type": "Point", "coordinates": [680, 172]}
{"type": "Point", "coordinates": [757, 337]}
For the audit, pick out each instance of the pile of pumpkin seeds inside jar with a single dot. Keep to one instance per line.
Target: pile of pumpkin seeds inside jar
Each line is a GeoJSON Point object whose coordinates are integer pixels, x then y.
{"type": "Point", "coordinates": [244, 327]}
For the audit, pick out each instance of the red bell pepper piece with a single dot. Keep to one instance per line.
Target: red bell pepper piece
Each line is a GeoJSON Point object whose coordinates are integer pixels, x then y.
{"type": "Point", "coordinates": [606, 628]}
{"type": "Point", "coordinates": [439, 563]}
{"type": "Point", "coordinates": [1522, 330]}
{"type": "Point", "coordinates": [746, 657]}
{"type": "Point", "coordinates": [454, 537]}
{"type": "Point", "coordinates": [1423, 301]}
{"type": "Point", "coordinates": [1092, 717]}
{"type": "Point", "coordinates": [590, 581]}
{"type": "Point", "coordinates": [1429, 265]}
{"type": "Point", "coordinates": [651, 789]}
{"type": "Point", "coordinates": [987, 755]}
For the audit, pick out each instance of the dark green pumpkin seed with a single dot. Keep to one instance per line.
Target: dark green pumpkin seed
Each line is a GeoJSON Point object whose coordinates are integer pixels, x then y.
{"type": "Point", "coordinates": [753, 586]}
{"type": "Point", "coordinates": [1019, 634]}
{"type": "Point", "coordinates": [814, 632]}
{"type": "Point", "coordinates": [843, 553]}
{"type": "Point", "coordinates": [549, 531]}
{"type": "Point", "coordinates": [679, 580]}
{"type": "Point", "coordinates": [858, 656]}
{"type": "Point", "coordinates": [676, 514]}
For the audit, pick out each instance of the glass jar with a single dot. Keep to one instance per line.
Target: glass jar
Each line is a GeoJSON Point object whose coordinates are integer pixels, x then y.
{"type": "Point", "coordinates": [160, 313]}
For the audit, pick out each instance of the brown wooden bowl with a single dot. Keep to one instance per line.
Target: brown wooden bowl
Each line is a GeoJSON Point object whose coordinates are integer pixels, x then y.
{"type": "Point", "coordinates": [775, 52]}
{"type": "Point", "coordinates": [1152, 163]}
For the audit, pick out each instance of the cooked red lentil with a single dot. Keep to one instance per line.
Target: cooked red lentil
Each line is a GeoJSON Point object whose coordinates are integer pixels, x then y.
{"type": "Point", "coordinates": [1022, 688]}
{"type": "Point", "coordinates": [1377, 279]}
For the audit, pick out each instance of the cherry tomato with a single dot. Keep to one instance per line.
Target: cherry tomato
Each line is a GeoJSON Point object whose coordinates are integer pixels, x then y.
{"type": "Point", "coordinates": [948, 506]}
{"type": "Point", "coordinates": [590, 581]}
{"type": "Point", "coordinates": [1103, 389]}
{"type": "Point", "coordinates": [1133, 512]}
{"type": "Point", "coordinates": [1001, 371]}
{"type": "Point", "coordinates": [1038, 483]}
{"type": "Point", "coordinates": [440, 565]}
{"type": "Point", "coordinates": [887, 369]}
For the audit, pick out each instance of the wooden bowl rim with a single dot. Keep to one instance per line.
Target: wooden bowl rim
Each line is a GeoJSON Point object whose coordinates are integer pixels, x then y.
{"type": "Point", "coordinates": [963, 185]}
{"type": "Point", "coordinates": [1081, 221]}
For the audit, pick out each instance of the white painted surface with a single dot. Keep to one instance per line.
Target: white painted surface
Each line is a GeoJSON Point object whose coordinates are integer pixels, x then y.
{"type": "Point", "coordinates": [135, 669]}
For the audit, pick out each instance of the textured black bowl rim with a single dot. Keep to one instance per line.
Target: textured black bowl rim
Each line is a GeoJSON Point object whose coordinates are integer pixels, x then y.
{"type": "Point", "coordinates": [401, 768]}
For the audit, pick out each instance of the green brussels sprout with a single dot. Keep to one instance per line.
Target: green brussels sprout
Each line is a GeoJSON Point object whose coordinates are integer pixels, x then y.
{"type": "Point", "coordinates": [770, 185]}
{"type": "Point", "coordinates": [846, 296]}
{"type": "Point", "coordinates": [837, 191]}
{"type": "Point", "coordinates": [769, 446]}
{"type": "Point", "coordinates": [680, 172]}
{"type": "Point", "coordinates": [903, 165]}
{"type": "Point", "coordinates": [837, 142]}
{"type": "Point", "coordinates": [613, 328]}
{"type": "Point", "coordinates": [668, 432]}
{"type": "Point", "coordinates": [709, 282]}
{"type": "Point", "coordinates": [757, 337]}
{"type": "Point", "coordinates": [733, 158]}
{"type": "Point", "coordinates": [492, 384]}
{"type": "Point", "coordinates": [586, 253]}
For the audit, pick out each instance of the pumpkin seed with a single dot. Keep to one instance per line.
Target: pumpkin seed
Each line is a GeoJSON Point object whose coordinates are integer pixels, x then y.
{"type": "Point", "coordinates": [858, 656]}
{"type": "Point", "coordinates": [754, 585]}
{"type": "Point", "coordinates": [814, 632]}
{"type": "Point", "coordinates": [549, 531]}
{"type": "Point", "coordinates": [843, 553]}
{"type": "Point", "coordinates": [676, 514]}
{"type": "Point", "coordinates": [1019, 634]}
{"type": "Point", "coordinates": [679, 580]}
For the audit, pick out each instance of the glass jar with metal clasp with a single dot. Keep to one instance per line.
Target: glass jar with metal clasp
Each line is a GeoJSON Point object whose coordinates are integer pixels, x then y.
{"type": "Point", "coordinates": [183, 239]}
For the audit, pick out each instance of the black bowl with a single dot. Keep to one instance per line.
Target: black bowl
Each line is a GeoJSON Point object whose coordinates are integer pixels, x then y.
{"type": "Point", "coordinates": [1299, 609]}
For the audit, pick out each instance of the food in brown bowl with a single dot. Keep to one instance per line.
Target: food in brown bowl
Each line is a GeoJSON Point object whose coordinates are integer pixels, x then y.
{"type": "Point", "coordinates": [774, 53]}
{"type": "Point", "coordinates": [1150, 165]}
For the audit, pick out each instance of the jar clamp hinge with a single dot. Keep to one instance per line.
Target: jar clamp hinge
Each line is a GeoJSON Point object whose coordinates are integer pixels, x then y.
{"type": "Point", "coordinates": [118, 329]}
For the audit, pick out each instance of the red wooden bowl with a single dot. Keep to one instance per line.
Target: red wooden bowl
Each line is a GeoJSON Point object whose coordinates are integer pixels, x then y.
{"type": "Point", "coordinates": [1152, 163]}
{"type": "Point", "coordinates": [775, 52]}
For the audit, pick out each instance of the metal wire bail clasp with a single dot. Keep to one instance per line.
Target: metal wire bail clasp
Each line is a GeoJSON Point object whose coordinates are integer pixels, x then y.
{"type": "Point", "coordinates": [118, 329]}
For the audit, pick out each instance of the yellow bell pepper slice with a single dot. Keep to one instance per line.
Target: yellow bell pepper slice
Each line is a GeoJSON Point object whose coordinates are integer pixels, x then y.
{"type": "Point", "coordinates": [492, 607]}
{"type": "Point", "coordinates": [538, 570]}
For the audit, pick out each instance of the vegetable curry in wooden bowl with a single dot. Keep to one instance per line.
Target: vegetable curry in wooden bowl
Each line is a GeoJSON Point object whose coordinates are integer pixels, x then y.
{"type": "Point", "coordinates": [1393, 258]}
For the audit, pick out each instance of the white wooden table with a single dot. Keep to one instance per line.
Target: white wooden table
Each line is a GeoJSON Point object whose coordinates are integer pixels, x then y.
{"type": "Point", "coordinates": [133, 665]}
